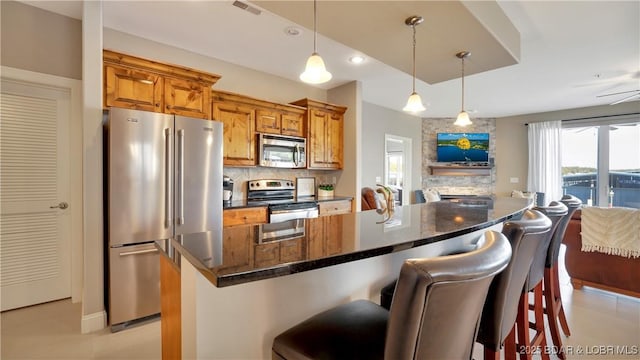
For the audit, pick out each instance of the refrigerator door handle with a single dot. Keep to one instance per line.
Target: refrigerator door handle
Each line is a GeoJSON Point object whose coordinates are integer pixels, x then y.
{"type": "Point", "coordinates": [180, 157]}
{"type": "Point", "coordinates": [138, 252]}
{"type": "Point", "coordinates": [168, 178]}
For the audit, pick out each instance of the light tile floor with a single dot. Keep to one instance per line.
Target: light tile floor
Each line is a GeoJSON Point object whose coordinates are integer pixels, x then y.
{"type": "Point", "coordinates": [601, 323]}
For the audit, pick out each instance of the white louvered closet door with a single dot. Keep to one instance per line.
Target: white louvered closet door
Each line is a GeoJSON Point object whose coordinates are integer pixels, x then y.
{"type": "Point", "coordinates": [35, 261]}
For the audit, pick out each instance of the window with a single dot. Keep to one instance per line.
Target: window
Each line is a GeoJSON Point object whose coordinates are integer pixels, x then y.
{"type": "Point", "coordinates": [601, 163]}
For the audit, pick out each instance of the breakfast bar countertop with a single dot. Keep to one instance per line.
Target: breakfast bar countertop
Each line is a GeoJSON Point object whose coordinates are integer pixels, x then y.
{"type": "Point", "coordinates": [237, 255]}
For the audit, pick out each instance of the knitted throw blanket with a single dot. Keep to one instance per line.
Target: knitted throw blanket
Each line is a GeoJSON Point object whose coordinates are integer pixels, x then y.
{"type": "Point", "coordinates": [613, 231]}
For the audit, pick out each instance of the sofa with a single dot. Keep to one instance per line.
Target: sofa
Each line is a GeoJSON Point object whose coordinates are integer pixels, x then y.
{"type": "Point", "coordinates": [599, 270]}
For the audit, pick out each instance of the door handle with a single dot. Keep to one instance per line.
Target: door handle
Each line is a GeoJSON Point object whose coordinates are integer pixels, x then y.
{"type": "Point", "coordinates": [168, 179]}
{"type": "Point", "coordinates": [63, 205]}
{"type": "Point", "coordinates": [180, 159]}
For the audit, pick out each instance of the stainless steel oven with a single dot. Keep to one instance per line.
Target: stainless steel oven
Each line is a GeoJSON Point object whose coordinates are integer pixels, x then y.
{"type": "Point", "coordinates": [279, 197]}
{"type": "Point", "coordinates": [282, 151]}
{"type": "Point", "coordinates": [286, 230]}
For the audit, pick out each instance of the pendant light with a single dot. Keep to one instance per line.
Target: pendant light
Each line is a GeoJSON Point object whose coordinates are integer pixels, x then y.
{"type": "Point", "coordinates": [414, 104]}
{"type": "Point", "coordinates": [315, 72]}
{"type": "Point", "coordinates": [463, 117]}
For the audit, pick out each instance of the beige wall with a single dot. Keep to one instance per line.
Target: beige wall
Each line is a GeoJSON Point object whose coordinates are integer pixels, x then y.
{"type": "Point", "coordinates": [40, 41]}
{"type": "Point", "coordinates": [349, 95]}
{"type": "Point", "coordinates": [512, 147]}
{"type": "Point", "coordinates": [378, 121]}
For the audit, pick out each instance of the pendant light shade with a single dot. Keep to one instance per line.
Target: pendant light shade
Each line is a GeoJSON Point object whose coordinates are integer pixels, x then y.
{"type": "Point", "coordinates": [315, 72]}
{"type": "Point", "coordinates": [414, 103]}
{"type": "Point", "coordinates": [463, 117]}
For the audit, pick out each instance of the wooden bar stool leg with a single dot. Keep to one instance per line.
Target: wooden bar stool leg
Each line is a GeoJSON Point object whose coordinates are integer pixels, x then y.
{"type": "Point", "coordinates": [522, 327]}
{"type": "Point", "coordinates": [540, 339]}
{"type": "Point", "coordinates": [552, 310]}
{"type": "Point", "coordinates": [557, 299]}
{"type": "Point", "coordinates": [510, 345]}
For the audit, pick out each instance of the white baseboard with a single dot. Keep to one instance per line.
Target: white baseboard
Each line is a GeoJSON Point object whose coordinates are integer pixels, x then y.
{"type": "Point", "coordinates": [93, 322]}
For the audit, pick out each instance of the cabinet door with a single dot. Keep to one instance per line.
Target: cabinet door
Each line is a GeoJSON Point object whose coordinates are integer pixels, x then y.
{"type": "Point", "coordinates": [334, 207]}
{"type": "Point", "coordinates": [292, 125]}
{"type": "Point", "coordinates": [133, 89]}
{"type": "Point", "coordinates": [315, 238]}
{"type": "Point", "coordinates": [291, 250]}
{"type": "Point", "coordinates": [267, 254]}
{"type": "Point", "coordinates": [333, 234]}
{"type": "Point", "coordinates": [239, 138]}
{"type": "Point", "coordinates": [317, 139]}
{"type": "Point", "coordinates": [334, 141]}
{"type": "Point", "coordinates": [186, 98]}
{"type": "Point", "coordinates": [267, 121]}
{"type": "Point", "coordinates": [237, 247]}
{"type": "Point", "coordinates": [232, 217]}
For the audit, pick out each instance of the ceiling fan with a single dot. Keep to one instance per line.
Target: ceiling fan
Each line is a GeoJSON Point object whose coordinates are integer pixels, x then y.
{"type": "Point", "coordinates": [632, 94]}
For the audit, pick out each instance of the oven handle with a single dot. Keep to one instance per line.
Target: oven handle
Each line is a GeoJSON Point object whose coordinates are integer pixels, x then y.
{"type": "Point", "coordinates": [296, 154]}
{"type": "Point", "coordinates": [284, 215]}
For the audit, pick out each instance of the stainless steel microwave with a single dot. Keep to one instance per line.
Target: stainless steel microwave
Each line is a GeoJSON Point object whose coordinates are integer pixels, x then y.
{"type": "Point", "coordinates": [282, 151]}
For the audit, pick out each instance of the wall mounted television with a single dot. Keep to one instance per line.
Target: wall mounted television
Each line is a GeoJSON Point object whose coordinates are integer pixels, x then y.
{"type": "Point", "coordinates": [463, 147]}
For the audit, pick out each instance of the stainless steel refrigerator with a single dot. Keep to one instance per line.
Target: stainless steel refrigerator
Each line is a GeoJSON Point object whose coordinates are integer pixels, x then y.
{"type": "Point", "coordinates": [164, 180]}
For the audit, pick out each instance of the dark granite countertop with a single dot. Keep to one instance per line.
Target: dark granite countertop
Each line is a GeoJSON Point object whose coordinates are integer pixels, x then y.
{"type": "Point", "coordinates": [239, 254]}
{"type": "Point", "coordinates": [243, 203]}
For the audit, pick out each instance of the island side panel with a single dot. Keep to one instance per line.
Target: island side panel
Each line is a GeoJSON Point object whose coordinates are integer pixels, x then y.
{"type": "Point", "coordinates": [241, 321]}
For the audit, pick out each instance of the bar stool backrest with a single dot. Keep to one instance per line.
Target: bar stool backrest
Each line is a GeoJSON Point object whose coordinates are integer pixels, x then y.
{"type": "Point", "coordinates": [572, 203]}
{"type": "Point", "coordinates": [501, 306]}
{"type": "Point", "coordinates": [556, 212]}
{"type": "Point", "coordinates": [437, 302]}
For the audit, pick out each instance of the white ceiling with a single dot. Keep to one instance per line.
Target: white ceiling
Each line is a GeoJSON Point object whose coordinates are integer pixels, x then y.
{"type": "Point", "coordinates": [570, 53]}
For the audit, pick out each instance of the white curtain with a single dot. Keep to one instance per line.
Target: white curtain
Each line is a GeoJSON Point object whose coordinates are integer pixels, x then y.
{"type": "Point", "coordinates": [545, 159]}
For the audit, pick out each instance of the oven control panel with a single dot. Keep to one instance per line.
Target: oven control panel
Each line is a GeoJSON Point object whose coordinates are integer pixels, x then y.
{"type": "Point", "coordinates": [271, 184]}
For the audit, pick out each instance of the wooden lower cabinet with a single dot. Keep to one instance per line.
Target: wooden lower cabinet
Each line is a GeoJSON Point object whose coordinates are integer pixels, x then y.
{"type": "Point", "coordinates": [334, 207]}
{"type": "Point", "coordinates": [170, 308]}
{"type": "Point", "coordinates": [238, 247]}
{"type": "Point", "coordinates": [278, 252]}
{"type": "Point", "coordinates": [324, 237]}
{"type": "Point", "coordinates": [244, 216]}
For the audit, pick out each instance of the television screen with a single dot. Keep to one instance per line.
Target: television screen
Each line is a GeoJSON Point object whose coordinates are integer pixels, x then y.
{"type": "Point", "coordinates": [463, 147]}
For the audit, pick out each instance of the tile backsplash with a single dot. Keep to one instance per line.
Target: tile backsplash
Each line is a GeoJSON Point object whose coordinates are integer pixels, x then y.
{"type": "Point", "coordinates": [241, 175]}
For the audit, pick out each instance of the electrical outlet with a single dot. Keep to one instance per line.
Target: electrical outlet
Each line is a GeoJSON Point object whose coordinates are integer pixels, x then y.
{"type": "Point", "coordinates": [514, 180]}
{"type": "Point", "coordinates": [378, 180]}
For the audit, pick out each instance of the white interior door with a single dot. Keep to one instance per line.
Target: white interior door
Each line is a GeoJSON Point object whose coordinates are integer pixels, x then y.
{"type": "Point", "coordinates": [35, 261]}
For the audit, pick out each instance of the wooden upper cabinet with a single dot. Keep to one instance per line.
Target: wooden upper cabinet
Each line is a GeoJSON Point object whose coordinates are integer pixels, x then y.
{"type": "Point", "coordinates": [317, 141]}
{"type": "Point", "coordinates": [133, 89]}
{"type": "Point", "coordinates": [187, 98]}
{"type": "Point", "coordinates": [239, 140]}
{"type": "Point", "coordinates": [292, 125]}
{"type": "Point", "coordinates": [137, 83]}
{"type": "Point", "coordinates": [268, 121]}
{"type": "Point", "coordinates": [325, 136]}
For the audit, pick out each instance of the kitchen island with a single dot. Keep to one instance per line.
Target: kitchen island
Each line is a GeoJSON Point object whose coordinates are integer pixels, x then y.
{"type": "Point", "coordinates": [234, 301]}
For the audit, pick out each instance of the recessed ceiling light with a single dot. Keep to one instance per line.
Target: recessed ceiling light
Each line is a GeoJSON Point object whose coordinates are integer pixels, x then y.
{"type": "Point", "coordinates": [292, 31]}
{"type": "Point", "coordinates": [356, 59]}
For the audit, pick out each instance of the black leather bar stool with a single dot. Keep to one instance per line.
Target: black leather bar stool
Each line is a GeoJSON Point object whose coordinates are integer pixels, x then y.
{"type": "Point", "coordinates": [497, 324]}
{"type": "Point", "coordinates": [551, 287]}
{"type": "Point", "coordinates": [434, 314]}
{"type": "Point", "coordinates": [556, 212]}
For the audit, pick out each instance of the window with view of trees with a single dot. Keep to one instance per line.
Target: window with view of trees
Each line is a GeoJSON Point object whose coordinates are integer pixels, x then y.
{"type": "Point", "coordinates": [601, 163]}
